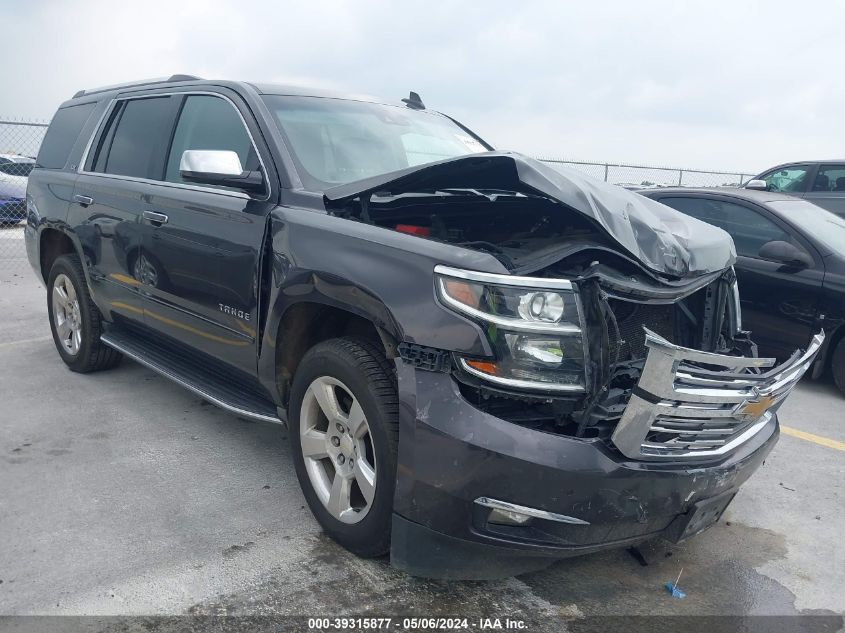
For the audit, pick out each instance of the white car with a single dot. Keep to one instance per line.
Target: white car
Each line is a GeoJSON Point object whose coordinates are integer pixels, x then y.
{"type": "Point", "coordinates": [14, 173]}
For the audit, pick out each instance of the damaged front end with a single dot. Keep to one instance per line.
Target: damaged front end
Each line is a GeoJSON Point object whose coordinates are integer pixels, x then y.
{"type": "Point", "coordinates": [656, 375]}
{"type": "Point", "coordinates": [614, 318]}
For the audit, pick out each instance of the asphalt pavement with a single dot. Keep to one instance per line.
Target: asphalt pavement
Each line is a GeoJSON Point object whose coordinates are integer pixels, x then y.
{"type": "Point", "coordinates": [121, 493]}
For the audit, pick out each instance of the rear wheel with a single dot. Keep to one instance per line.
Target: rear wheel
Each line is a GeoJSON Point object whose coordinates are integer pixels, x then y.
{"type": "Point", "coordinates": [344, 435]}
{"type": "Point", "coordinates": [837, 365]}
{"type": "Point", "coordinates": [75, 321]}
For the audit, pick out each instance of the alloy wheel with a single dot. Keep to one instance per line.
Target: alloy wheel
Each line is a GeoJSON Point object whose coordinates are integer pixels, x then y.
{"type": "Point", "coordinates": [338, 449]}
{"type": "Point", "coordinates": [67, 317]}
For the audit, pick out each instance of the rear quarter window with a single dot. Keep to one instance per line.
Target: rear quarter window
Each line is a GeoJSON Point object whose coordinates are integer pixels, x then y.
{"type": "Point", "coordinates": [62, 134]}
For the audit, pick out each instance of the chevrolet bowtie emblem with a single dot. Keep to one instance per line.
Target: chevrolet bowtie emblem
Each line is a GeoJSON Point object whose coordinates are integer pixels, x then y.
{"type": "Point", "coordinates": [757, 408]}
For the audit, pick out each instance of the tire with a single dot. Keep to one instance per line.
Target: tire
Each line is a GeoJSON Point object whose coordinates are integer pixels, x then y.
{"type": "Point", "coordinates": [69, 301]}
{"type": "Point", "coordinates": [356, 372]}
{"type": "Point", "coordinates": [837, 365]}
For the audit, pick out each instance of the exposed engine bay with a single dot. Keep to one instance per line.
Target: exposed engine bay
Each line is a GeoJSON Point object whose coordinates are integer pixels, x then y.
{"type": "Point", "coordinates": [633, 264]}
{"type": "Point", "coordinates": [530, 235]}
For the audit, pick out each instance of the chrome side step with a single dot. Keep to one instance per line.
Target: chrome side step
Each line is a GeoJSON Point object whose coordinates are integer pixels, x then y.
{"type": "Point", "coordinates": [241, 401]}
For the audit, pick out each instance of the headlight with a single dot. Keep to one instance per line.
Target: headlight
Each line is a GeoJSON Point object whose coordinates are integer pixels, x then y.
{"type": "Point", "coordinates": [533, 325]}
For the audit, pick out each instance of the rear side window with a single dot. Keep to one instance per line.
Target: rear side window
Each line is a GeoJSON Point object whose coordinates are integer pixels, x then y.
{"type": "Point", "coordinates": [134, 144]}
{"type": "Point", "coordinates": [62, 134]}
{"type": "Point", "coordinates": [830, 178]}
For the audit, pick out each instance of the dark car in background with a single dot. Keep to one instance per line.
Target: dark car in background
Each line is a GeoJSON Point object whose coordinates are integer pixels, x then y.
{"type": "Point", "coordinates": [790, 266]}
{"type": "Point", "coordinates": [821, 182]}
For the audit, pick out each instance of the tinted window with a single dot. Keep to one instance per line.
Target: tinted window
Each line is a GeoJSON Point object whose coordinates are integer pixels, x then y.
{"type": "Point", "coordinates": [748, 228]}
{"type": "Point", "coordinates": [62, 134]}
{"type": "Point", "coordinates": [789, 179]}
{"type": "Point", "coordinates": [209, 123]}
{"type": "Point", "coordinates": [830, 178]}
{"type": "Point", "coordinates": [137, 147]}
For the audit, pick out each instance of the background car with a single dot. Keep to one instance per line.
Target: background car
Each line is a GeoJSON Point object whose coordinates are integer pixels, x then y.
{"type": "Point", "coordinates": [790, 266]}
{"type": "Point", "coordinates": [14, 171]}
{"type": "Point", "coordinates": [821, 182]}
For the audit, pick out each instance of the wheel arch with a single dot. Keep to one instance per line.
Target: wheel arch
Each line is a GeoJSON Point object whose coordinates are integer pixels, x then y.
{"type": "Point", "coordinates": [305, 323]}
{"type": "Point", "coordinates": [53, 242]}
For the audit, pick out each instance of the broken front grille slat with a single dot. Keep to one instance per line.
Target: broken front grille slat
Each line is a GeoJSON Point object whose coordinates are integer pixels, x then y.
{"type": "Point", "coordinates": [686, 410]}
{"type": "Point", "coordinates": [697, 432]}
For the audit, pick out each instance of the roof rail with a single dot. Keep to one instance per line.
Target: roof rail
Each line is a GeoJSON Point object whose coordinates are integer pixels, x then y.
{"type": "Point", "coordinates": [132, 84]}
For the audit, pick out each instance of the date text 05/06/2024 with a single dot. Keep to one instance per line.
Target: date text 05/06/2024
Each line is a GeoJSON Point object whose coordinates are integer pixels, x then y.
{"type": "Point", "coordinates": [416, 624]}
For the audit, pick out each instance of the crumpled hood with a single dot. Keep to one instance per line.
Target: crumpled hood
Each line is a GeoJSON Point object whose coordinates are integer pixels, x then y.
{"type": "Point", "coordinates": [662, 239]}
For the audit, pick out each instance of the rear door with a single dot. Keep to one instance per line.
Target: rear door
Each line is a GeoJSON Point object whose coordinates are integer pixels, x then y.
{"type": "Point", "coordinates": [828, 190]}
{"type": "Point", "coordinates": [110, 196]}
{"type": "Point", "coordinates": [201, 244]}
{"type": "Point", "coordinates": [779, 302]}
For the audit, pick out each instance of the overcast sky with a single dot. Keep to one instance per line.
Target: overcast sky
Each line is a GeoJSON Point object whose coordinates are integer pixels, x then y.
{"type": "Point", "coordinates": [722, 84]}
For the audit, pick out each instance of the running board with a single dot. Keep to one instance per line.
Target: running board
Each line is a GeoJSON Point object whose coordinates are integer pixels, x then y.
{"type": "Point", "coordinates": [216, 389]}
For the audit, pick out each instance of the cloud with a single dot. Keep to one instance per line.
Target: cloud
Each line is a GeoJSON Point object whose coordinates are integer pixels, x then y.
{"type": "Point", "coordinates": [722, 85]}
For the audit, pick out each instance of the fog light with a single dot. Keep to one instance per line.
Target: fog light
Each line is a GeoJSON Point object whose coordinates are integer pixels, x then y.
{"type": "Point", "coordinates": [508, 517]}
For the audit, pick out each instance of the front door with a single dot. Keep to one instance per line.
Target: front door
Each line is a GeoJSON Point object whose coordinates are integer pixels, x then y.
{"type": "Point", "coordinates": [202, 245]}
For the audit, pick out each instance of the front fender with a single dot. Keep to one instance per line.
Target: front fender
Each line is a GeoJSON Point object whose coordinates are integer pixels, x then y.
{"type": "Point", "coordinates": [380, 275]}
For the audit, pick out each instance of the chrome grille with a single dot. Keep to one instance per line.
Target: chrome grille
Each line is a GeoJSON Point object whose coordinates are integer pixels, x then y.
{"type": "Point", "coordinates": [693, 404]}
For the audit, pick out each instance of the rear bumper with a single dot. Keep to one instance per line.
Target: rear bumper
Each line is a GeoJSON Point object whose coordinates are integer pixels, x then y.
{"type": "Point", "coordinates": [451, 454]}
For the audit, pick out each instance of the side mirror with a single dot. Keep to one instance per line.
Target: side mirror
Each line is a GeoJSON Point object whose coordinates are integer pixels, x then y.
{"type": "Point", "coordinates": [219, 167]}
{"type": "Point", "coordinates": [759, 185]}
{"type": "Point", "coordinates": [785, 253]}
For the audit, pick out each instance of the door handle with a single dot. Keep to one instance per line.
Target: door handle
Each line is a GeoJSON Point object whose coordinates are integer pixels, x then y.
{"type": "Point", "coordinates": [83, 200]}
{"type": "Point", "coordinates": [157, 219]}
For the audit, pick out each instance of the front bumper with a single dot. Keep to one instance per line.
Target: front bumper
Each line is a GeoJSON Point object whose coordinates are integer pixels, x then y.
{"type": "Point", "coordinates": [452, 454]}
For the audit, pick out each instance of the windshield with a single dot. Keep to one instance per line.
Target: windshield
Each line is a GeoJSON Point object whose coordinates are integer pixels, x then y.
{"type": "Point", "coordinates": [822, 225]}
{"type": "Point", "coordinates": [335, 141]}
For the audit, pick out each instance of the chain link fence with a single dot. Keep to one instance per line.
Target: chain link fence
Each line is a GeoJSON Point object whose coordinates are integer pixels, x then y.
{"type": "Point", "coordinates": [19, 143]}
{"type": "Point", "coordinates": [644, 177]}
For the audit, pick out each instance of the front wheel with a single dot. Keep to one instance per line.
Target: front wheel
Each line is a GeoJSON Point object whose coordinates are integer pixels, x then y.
{"type": "Point", "coordinates": [344, 434]}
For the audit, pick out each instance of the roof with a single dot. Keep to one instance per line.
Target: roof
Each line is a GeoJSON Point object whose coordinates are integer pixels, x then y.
{"type": "Point", "coordinates": [804, 162]}
{"type": "Point", "coordinates": [301, 91]}
{"type": "Point", "coordinates": [261, 88]}
{"type": "Point", "coordinates": [752, 195]}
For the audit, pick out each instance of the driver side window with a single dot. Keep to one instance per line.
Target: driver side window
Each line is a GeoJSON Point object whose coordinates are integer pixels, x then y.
{"type": "Point", "coordinates": [788, 179]}
{"type": "Point", "coordinates": [208, 122]}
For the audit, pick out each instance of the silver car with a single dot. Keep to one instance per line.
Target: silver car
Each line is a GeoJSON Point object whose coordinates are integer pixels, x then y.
{"type": "Point", "coordinates": [822, 182]}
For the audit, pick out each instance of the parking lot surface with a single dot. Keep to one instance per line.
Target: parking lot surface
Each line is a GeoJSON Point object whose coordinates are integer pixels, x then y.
{"type": "Point", "coordinates": [124, 494]}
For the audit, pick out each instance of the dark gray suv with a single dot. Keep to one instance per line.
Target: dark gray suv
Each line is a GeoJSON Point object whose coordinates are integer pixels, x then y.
{"type": "Point", "coordinates": [485, 363]}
